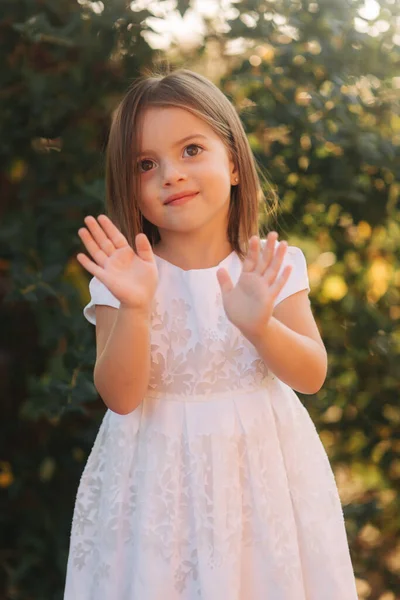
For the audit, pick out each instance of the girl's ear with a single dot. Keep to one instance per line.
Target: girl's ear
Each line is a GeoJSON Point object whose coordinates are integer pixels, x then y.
{"type": "Point", "coordinates": [234, 170]}
{"type": "Point", "coordinates": [234, 174]}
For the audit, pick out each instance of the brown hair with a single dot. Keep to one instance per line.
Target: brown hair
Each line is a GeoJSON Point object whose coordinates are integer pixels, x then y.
{"type": "Point", "coordinates": [193, 92]}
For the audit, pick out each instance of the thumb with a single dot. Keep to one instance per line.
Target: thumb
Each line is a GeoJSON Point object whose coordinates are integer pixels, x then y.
{"type": "Point", "coordinates": [224, 280]}
{"type": "Point", "coordinates": [143, 247]}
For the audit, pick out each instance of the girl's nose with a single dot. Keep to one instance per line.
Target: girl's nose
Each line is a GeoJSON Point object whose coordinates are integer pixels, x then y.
{"type": "Point", "coordinates": [172, 173]}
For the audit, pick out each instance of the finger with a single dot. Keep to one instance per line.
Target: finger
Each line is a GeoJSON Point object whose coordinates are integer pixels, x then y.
{"type": "Point", "coordinates": [98, 234]}
{"type": "Point", "coordinates": [89, 265]}
{"type": "Point", "coordinates": [252, 255]}
{"type": "Point", "coordinates": [224, 280]}
{"type": "Point", "coordinates": [267, 252]}
{"type": "Point", "coordinates": [143, 247]}
{"type": "Point", "coordinates": [274, 266]}
{"type": "Point", "coordinates": [280, 281]}
{"type": "Point", "coordinates": [92, 247]}
{"type": "Point", "coordinates": [115, 235]}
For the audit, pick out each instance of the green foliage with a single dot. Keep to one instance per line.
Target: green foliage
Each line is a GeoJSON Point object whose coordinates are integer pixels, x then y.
{"type": "Point", "coordinates": [319, 104]}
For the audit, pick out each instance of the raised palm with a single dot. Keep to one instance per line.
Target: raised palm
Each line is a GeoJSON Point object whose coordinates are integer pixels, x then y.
{"type": "Point", "coordinates": [130, 276]}
{"type": "Point", "coordinates": [249, 304]}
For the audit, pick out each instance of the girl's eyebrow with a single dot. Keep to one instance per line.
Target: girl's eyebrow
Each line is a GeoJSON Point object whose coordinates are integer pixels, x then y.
{"type": "Point", "coordinates": [188, 137]}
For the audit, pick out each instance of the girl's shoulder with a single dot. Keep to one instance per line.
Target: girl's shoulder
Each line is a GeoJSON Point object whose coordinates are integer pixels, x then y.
{"type": "Point", "coordinates": [99, 294]}
{"type": "Point", "coordinates": [291, 252]}
{"type": "Point", "coordinates": [298, 279]}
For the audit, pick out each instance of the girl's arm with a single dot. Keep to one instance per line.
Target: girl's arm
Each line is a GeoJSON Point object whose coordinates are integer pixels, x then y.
{"type": "Point", "coordinates": [122, 369]}
{"type": "Point", "coordinates": [270, 306]}
{"type": "Point", "coordinates": [122, 289]}
{"type": "Point", "coordinates": [291, 345]}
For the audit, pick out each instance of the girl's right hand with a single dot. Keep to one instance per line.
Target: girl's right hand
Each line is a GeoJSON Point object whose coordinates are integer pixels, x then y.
{"type": "Point", "coordinates": [131, 277]}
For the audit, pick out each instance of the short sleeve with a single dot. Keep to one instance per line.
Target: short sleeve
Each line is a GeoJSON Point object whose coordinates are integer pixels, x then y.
{"type": "Point", "coordinates": [99, 294]}
{"type": "Point", "coordinates": [298, 278]}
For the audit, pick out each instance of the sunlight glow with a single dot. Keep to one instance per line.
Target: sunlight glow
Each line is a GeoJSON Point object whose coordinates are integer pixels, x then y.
{"type": "Point", "coordinates": [167, 26]}
{"type": "Point", "coordinates": [370, 10]}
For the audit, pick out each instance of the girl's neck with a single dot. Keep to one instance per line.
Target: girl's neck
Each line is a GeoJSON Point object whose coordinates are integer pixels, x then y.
{"type": "Point", "coordinates": [191, 257]}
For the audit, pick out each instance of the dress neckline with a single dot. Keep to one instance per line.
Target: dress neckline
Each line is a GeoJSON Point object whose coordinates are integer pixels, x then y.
{"type": "Point", "coordinates": [220, 264]}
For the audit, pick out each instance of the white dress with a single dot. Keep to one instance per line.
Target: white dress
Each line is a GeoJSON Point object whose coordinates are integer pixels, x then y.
{"type": "Point", "coordinates": [217, 486]}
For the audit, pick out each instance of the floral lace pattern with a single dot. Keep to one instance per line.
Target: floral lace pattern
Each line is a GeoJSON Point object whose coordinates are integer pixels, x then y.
{"type": "Point", "coordinates": [183, 367]}
{"type": "Point", "coordinates": [217, 486]}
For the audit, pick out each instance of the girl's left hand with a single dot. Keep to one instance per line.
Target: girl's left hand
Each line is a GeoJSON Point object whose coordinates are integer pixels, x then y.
{"type": "Point", "coordinates": [249, 304]}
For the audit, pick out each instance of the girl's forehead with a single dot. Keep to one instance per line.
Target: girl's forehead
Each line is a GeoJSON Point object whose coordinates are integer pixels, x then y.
{"type": "Point", "coordinates": [161, 129]}
{"type": "Point", "coordinates": [150, 113]}
{"type": "Point", "coordinates": [171, 121]}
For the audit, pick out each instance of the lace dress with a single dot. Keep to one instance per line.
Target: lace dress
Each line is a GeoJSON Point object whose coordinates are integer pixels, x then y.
{"type": "Point", "coordinates": [217, 485]}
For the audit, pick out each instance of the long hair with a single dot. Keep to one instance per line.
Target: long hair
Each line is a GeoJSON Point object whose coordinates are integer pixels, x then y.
{"type": "Point", "coordinates": [193, 92]}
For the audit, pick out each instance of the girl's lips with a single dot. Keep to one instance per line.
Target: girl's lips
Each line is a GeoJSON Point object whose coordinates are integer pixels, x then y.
{"type": "Point", "coordinates": [181, 200]}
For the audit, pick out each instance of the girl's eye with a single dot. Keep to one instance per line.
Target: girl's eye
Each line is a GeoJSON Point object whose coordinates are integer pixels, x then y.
{"type": "Point", "coordinates": [148, 160]}
{"type": "Point", "coordinates": [195, 146]}
{"type": "Point", "coordinates": [141, 162]}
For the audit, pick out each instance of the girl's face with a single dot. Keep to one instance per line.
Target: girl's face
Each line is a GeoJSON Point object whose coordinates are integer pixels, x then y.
{"type": "Point", "coordinates": [181, 153]}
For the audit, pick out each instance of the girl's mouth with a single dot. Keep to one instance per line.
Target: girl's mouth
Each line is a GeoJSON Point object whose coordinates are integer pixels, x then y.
{"type": "Point", "coordinates": [181, 200]}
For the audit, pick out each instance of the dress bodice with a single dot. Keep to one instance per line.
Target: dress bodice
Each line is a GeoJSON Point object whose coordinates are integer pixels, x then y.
{"type": "Point", "coordinates": [195, 350]}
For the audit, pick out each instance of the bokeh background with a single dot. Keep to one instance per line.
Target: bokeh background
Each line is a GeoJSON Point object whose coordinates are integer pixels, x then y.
{"type": "Point", "coordinates": [317, 86]}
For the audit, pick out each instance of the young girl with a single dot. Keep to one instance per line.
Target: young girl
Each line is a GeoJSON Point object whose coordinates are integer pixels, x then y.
{"type": "Point", "coordinates": [207, 478]}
